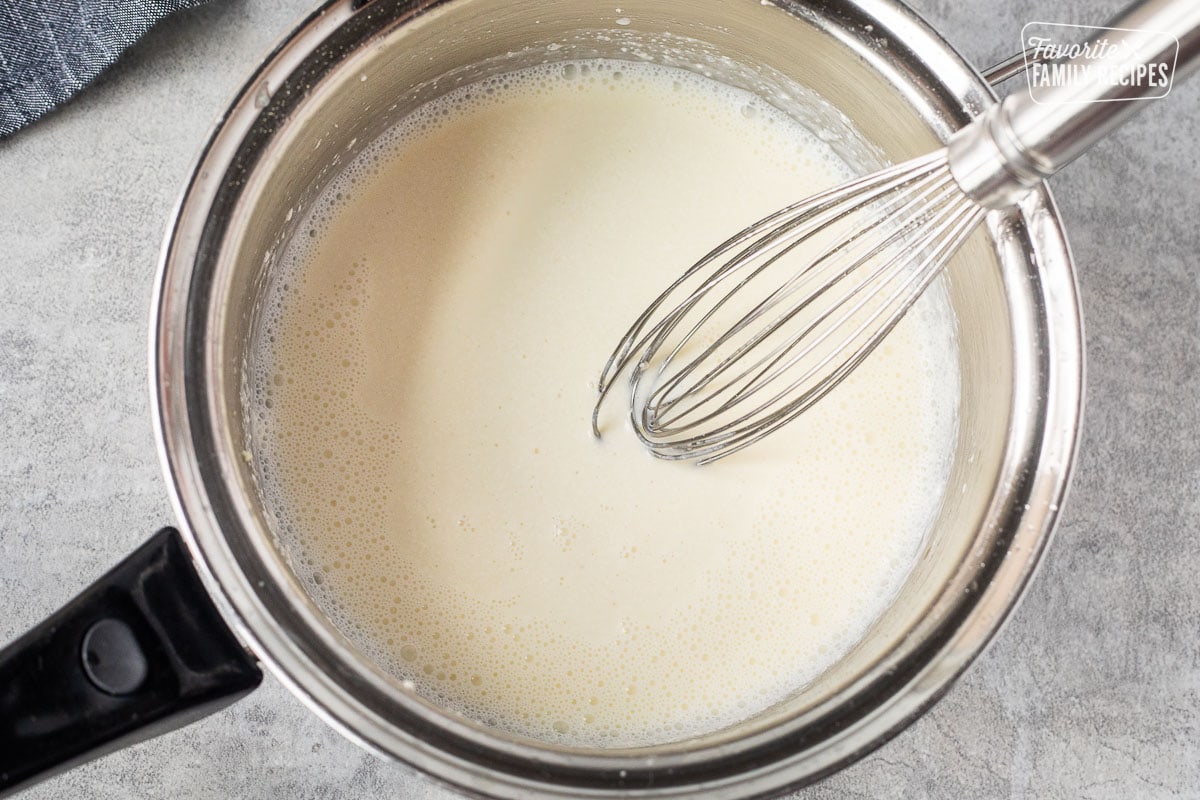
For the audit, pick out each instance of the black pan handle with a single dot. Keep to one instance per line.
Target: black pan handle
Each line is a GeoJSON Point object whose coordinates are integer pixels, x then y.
{"type": "Point", "coordinates": [140, 652]}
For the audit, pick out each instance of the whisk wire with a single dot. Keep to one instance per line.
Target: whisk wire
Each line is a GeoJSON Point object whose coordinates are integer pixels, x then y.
{"type": "Point", "coordinates": [671, 392]}
{"type": "Point", "coordinates": [655, 424]}
{"type": "Point", "coordinates": [800, 323]}
{"type": "Point", "coordinates": [769, 367]}
{"type": "Point", "coordinates": [745, 432]}
{"type": "Point", "coordinates": [775, 226]}
{"type": "Point", "coordinates": [748, 434]}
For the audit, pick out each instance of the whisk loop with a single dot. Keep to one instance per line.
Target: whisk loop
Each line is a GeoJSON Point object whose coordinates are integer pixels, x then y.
{"type": "Point", "coordinates": [774, 318]}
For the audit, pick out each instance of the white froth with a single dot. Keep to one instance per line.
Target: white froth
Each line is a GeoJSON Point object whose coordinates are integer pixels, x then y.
{"type": "Point", "coordinates": [421, 405]}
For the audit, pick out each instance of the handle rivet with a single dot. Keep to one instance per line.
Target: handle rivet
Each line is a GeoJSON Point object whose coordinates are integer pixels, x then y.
{"type": "Point", "coordinates": [112, 658]}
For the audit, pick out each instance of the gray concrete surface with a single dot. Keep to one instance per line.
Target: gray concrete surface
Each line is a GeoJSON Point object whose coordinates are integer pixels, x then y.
{"type": "Point", "coordinates": [1091, 691]}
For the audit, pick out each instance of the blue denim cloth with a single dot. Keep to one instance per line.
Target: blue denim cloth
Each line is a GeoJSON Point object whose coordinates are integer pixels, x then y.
{"type": "Point", "coordinates": [50, 49]}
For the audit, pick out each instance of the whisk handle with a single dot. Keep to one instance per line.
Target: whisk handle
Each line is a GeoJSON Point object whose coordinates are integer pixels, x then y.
{"type": "Point", "coordinates": [1072, 103]}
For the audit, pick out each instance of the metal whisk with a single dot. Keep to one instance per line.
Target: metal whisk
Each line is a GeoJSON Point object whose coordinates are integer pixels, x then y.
{"type": "Point", "coordinates": [769, 322]}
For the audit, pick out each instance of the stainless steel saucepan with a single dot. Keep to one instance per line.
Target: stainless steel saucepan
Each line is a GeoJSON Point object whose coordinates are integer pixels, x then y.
{"type": "Point", "coordinates": [180, 627]}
